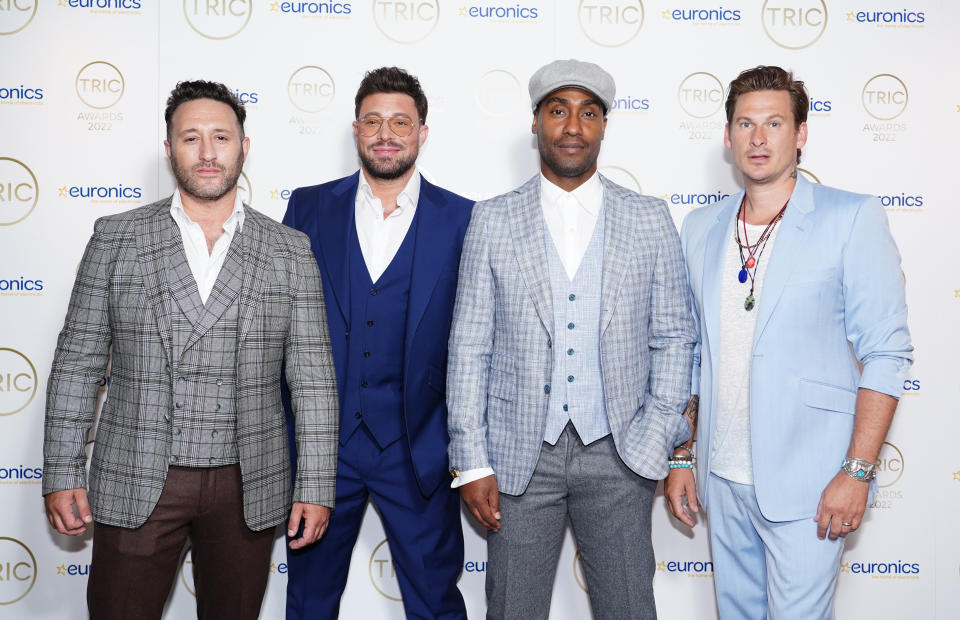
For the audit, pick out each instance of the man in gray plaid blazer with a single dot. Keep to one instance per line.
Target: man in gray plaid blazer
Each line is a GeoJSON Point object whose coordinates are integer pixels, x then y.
{"type": "Point", "coordinates": [569, 354]}
{"type": "Point", "coordinates": [201, 300]}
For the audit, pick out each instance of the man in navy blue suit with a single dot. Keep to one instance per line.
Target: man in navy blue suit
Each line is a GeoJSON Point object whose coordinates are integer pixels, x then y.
{"type": "Point", "coordinates": [388, 245]}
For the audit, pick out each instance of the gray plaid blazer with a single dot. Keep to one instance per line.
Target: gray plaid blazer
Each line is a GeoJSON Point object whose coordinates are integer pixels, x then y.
{"type": "Point", "coordinates": [501, 354]}
{"type": "Point", "coordinates": [121, 298]}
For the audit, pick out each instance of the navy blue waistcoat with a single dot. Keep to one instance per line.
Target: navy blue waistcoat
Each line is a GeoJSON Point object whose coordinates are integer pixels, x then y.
{"type": "Point", "coordinates": [373, 386]}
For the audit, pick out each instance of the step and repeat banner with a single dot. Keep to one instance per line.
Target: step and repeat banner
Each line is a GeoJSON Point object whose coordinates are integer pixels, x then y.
{"type": "Point", "coordinates": [82, 90]}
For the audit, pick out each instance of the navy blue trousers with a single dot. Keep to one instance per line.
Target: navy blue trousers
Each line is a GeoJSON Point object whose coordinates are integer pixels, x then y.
{"type": "Point", "coordinates": [424, 535]}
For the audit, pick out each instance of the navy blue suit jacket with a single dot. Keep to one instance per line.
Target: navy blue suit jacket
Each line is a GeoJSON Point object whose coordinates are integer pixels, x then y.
{"type": "Point", "coordinates": [326, 214]}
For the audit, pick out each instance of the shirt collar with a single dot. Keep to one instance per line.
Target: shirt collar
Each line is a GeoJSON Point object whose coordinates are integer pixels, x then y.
{"type": "Point", "coordinates": [232, 224]}
{"type": "Point", "coordinates": [589, 195]}
{"type": "Point", "coordinates": [409, 196]}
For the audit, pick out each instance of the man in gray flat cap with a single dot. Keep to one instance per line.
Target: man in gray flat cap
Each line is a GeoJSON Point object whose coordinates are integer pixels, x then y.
{"type": "Point", "coordinates": [569, 363]}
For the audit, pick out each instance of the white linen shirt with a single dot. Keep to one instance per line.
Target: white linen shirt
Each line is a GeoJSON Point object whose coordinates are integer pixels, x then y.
{"type": "Point", "coordinates": [205, 264]}
{"type": "Point", "coordinates": [380, 237]}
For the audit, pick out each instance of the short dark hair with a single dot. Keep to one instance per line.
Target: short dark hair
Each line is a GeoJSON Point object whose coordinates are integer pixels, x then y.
{"type": "Point", "coordinates": [391, 80]}
{"type": "Point", "coordinates": [202, 89]}
{"type": "Point", "coordinates": [770, 78]}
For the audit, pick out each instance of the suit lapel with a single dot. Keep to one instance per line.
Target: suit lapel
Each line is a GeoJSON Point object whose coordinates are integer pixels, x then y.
{"type": "Point", "coordinates": [183, 286]}
{"type": "Point", "coordinates": [224, 292]}
{"type": "Point", "coordinates": [254, 252]}
{"type": "Point", "coordinates": [155, 241]}
{"type": "Point", "coordinates": [529, 237]}
{"type": "Point", "coordinates": [787, 248]}
{"type": "Point", "coordinates": [435, 237]}
{"type": "Point", "coordinates": [618, 228]}
{"type": "Point", "coordinates": [337, 227]}
{"type": "Point", "coordinates": [713, 254]}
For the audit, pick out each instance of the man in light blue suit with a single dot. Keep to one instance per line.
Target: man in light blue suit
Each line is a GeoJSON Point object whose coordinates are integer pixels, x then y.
{"type": "Point", "coordinates": [804, 348]}
{"type": "Point", "coordinates": [570, 355]}
{"type": "Point", "coordinates": [388, 245]}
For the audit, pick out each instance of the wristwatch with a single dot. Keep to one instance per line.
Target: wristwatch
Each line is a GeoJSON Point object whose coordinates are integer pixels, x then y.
{"type": "Point", "coordinates": [859, 469]}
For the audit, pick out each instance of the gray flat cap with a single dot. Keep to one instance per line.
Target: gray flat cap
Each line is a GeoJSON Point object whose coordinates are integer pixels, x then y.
{"type": "Point", "coordinates": [572, 73]}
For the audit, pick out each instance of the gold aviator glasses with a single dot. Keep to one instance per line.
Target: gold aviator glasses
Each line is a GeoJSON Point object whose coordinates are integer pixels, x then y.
{"type": "Point", "coordinates": [400, 125]}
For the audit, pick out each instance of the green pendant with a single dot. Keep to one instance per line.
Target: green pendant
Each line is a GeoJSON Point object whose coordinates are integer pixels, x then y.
{"type": "Point", "coordinates": [749, 303]}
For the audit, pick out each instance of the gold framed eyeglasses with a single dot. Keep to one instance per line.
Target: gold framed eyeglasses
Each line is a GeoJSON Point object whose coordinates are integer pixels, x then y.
{"type": "Point", "coordinates": [400, 125]}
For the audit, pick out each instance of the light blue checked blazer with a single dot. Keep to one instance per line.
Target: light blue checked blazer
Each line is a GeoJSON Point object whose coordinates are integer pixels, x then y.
{"type": "Point", "coordinates": [501, 342]}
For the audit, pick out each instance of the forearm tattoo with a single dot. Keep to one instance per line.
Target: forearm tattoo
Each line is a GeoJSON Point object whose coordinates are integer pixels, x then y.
{"type": "Point", "coordinates": [692, 412]}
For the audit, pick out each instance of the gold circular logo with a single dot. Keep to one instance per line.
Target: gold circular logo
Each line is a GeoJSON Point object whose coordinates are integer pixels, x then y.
{"type": "Point", "coordinates": [406, 21]}
{"type": "Point", "coordinates": [884, 97]}
{"type": "Point", "coordinates": [186, 566]}
{"type": "Point", "coordinates": [310, 88]}
{"type": "Point", "coordinates": [498, 92]}
{"type": "Point", "coordinates": [890, 469]}
{"type": "Point", "coordinates": [621, 176]}
{"type": "Point", "coordinates": [810, 176]}
{"type": "Point", "coordinates": [100, 84]}
{"type": "Point", "coordinates": [217, 19]}
{"type": "Point", "coordinates": [794, 24]}
{"type": "Point", "coordinates": [16, 15]}
{"type": "Point", "coordinates": [18, 381]}
{"type": "Point", "coordinates": [610, 23]}
{"type": "Point", "coordinates": [700, 94]}
{"type": "Point", "coordinates": [19, 570]}
{"type": "Point", "coordinates": [19, 191]}
{"type": "Point", "coordinates": [578, 574]}
{"type": "Point", "coordinates": [383, 574]}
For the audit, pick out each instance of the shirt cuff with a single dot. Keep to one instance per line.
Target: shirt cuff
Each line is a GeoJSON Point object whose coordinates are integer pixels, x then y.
{"type": "Point", "coordinates": [471, 475]}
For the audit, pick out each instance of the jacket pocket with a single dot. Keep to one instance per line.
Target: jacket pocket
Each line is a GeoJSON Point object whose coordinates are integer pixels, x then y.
{"type": "Point", "coordinates": [829, 397]}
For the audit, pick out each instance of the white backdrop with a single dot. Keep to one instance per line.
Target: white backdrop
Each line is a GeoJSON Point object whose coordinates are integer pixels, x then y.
{"type": "Point", "coordinates": [82, 86]}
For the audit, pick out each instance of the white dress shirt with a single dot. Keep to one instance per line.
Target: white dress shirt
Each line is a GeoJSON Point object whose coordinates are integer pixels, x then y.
{"type": "Point", "coordinates": [571, 218]}
{"type": "Point", "coordinates": [205, 264]}
{"type": "Point", "coordinates": [380, 237]}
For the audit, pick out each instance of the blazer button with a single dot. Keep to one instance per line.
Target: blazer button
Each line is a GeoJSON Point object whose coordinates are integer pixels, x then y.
{"type": "Point", "coordinates": [214, 433]}
{"type": "Point", "coordinates": [364, 384]}
{"type": "Point", "coordinates": [366, 353]}
{"type": "Point", "coordinates": [358, 415]}
{"type": "Point", "coordinates": [218, 407]}
{"type": "Point", "coordinates": [373, 291]}
{"type": "Point", "coordinates": [546, 389]}
{"type": "Point", "coordinates": [219, 381]}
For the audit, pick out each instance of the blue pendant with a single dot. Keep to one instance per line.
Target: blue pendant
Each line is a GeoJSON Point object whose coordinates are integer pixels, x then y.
{"type": "Point", "coordinates": [742, 276]}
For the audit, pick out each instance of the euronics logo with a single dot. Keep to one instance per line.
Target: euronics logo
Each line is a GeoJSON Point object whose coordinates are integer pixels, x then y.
{"type": "Point", "coordinates": [631, 103]}
{"type": "Point", "coordinates": [73, 570]}
{"type": "Point", "coordinates": [516, 13]}
{"type": "Point", "coordinates": [313, 9]}
{"type": "Point", "coordinates": [30, 95]}
{"type": "Point", "coordinates": [118, 193]}
{"type": "Point", "coordinates": [694, 199]}
{"type": "Point", "coordinates": [702, 15]}
{"type": "Point", "coordinates": [695, 568]}
{"type": "Point", "coordinates": [888, 19]}
{"type": "Point", "coordinates": [280, 194]}
{"type": "Point", "coordinates": [20, 474]}
{"type": "Point", "coordinates": [102, 6]}
{"type": "Point", "coordinates": [247, 97]}
{"type": "Point", "coordinates": [902, 202]}
{"type": "Point", "coordinates": [20, 287]}
{"type": "Point", "coordinates": [896, 569]}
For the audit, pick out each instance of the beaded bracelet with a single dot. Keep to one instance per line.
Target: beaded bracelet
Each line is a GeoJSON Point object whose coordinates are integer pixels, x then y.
{"type": "Point", "coordinates": [680, 465]}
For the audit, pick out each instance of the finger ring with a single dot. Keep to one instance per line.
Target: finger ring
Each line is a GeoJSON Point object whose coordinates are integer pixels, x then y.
{"type": "Point", "coordinates": [847, 524]}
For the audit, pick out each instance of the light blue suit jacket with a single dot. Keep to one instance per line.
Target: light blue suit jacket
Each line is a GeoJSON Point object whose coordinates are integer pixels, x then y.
{"type": "Point", "coordinates": [501, 342]}
{"type": "Point", "coordinates": [833, 302]}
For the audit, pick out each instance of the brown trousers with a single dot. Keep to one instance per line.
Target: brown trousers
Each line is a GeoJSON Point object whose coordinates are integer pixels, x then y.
{"type": "Point", "coordinates": [133, 570]}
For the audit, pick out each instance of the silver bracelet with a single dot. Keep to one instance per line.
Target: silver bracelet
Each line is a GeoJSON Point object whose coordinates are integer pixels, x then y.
{"type": "Point", "coordinates": [859, 469]}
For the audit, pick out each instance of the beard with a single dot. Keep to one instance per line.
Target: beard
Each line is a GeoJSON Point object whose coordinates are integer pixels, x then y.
{"type": "Point", "coordinates": [388, 169]}
{"type": "Point", "coordinates": [565, 166]}
{"type": "Point", "coordinates": [189, 183]}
